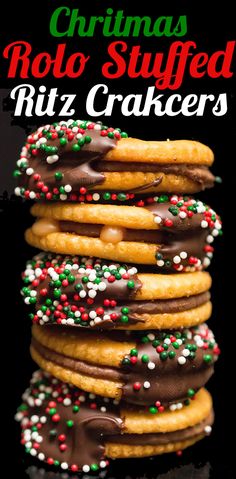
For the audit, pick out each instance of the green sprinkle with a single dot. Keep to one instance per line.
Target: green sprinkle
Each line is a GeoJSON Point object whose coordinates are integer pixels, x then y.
{"type": "Point", "coordinates": [52, 411]}
{"type": "Point", "coordinates": [145, 358]}
{"type": "Point", "coordinates": [70, 423]}
{"type": "Point", "coordinates": [153, 410]}
{"type": "Point", "coordinates": [163, 355]}
{"type": "Point", "coordinates": [191, 393]}
{"type": "Point", "coordinates": [76, 147]}
{"type": "Point", "coordinates": [58, 175]}
{"type": "Point", "coordinates": [207, 358]}
{"type": "Point", "coordinates": [125, 310]}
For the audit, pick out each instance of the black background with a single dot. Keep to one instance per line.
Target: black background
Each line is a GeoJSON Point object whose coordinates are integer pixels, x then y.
{"type": "Point", "coordinates": [210, 28]}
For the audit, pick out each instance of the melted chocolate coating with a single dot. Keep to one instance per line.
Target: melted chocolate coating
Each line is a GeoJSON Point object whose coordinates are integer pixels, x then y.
{"type": "Point", "coordinates": [168, 380]}
{"type": "Point", "coordinates": [72, 428]}
{"type": "Point", "coordinates": [85, 437]}
{"type": "Point", "coordinates": [76, 166]}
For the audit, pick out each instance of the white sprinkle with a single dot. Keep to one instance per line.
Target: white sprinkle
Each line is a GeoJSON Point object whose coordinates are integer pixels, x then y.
{"type": "Point", "coordinates": [160, 262]}
{"type": "Point", "coordinates": [102, 286]}
{"type": "Point", "coordinates": [92, 293]}
{"type": "Point", "coordinates": [92, 314]}
{"type": "Point", "coordinates": [157, 219]}
{"type": "Point", "coordinates": [33, 452]}
{"type": "Point", "coordinates": [208, 429]}
{"type": "Point", "coordinates": [38, 402]}
{"type": "Point", "coordinates": [75, 267]}
{"type": "Point", "coordinates": [34, 418]}
{"type": "Point", "coordinates": [176, 259]}
{"type": "Point", "coordinates": [64, 465]}
{"type": "Point", "coordinates": [151, 336]}
{"type": "Point", "coordinates": [179, 405]}
{"type": "Point", "coordinates": [183, 255]}
{"type": "Point", "coordinates": [182, 215]}
{"type": "Point", "coordinates": [77, 314]}
{"type": "Point", "coordinates": [103, 409]}
{"type": "Point", "coordinates": [70, 321]}
{"type": "Point", "coordinates": [17, 191]}
{"type": "Point", "coordinates": [42, 140]}
{"type": "Point", "coordinates": [39, 439]}
{"type": "Point", "coordinates": [151, 365]}
{"type": "Point", "coordinates": [167, 341]}
{"type": "Point", "coordinates": [67, 402]}
{"type": "Point", "coordinates": [38, 272]}
{"type": "Point", "coordinates": [218, 226]}
{"type": "Point", "coordinates": [63, 197]}
{"type": "Point", "coordinates": [210, 239]}
{"type": "Point", "coordinates": [179, 341]}
{"type": "Point", "coordinates": [107, 274]}
{"type": "Point", "coordinates": [29, 171]}
{"type": "Point", "coordinates": [122, 271]}
{"type": "Point", "coordinates": [186, 353]}
{"type": "Point", "coordinates": [82, 294]}
{"type": "Point", "coordinates": [181, 360]}
{"type": "Point", "coordinates": [67, 188]}
{"type": "Point", "coordinates": [41, 456]}
{"type": "Point", "coordinates": [201, 209]}
{"type": "Point", "coordinates": [32, 195]}
{"type": "Point", "coordinates": [97, 127]}
{"type": "Point", "coordinates": [43, 419]}
{"type": "Point", "coordinates": [92, 276]}
{"type": "Point", "coordinates": [206, 262]}
{"type": "Point", "coordinates": [86, 468]}
{"type": "Point", "coordinates": [215, 232]}
{"type": "Point", "coordinates": [52, 159]}
{"type": "Point", "coordinates": [172, 407]}
{"type": "Point", "coordinates": [97, 320]}
{"type": "Point", "coordinates": [146, 384]}
{"type": "Point", "coordinates": [102, 464]}
{"type": "Point", "coordinates": [204, 224]}
{"type": "Point", "coordinates": [96, 197]}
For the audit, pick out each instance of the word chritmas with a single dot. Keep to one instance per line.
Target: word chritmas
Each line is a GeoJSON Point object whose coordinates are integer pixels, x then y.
{"type": "Point", "coordinates": [168, 69]}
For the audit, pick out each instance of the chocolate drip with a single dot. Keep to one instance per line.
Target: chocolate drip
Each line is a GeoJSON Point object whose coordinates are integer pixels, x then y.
{"type": "Point", "coordinates": [183, 236]}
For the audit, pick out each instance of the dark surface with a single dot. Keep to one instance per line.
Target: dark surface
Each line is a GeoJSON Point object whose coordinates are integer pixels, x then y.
{"type": "Point", "coordinates": [213, 457]}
